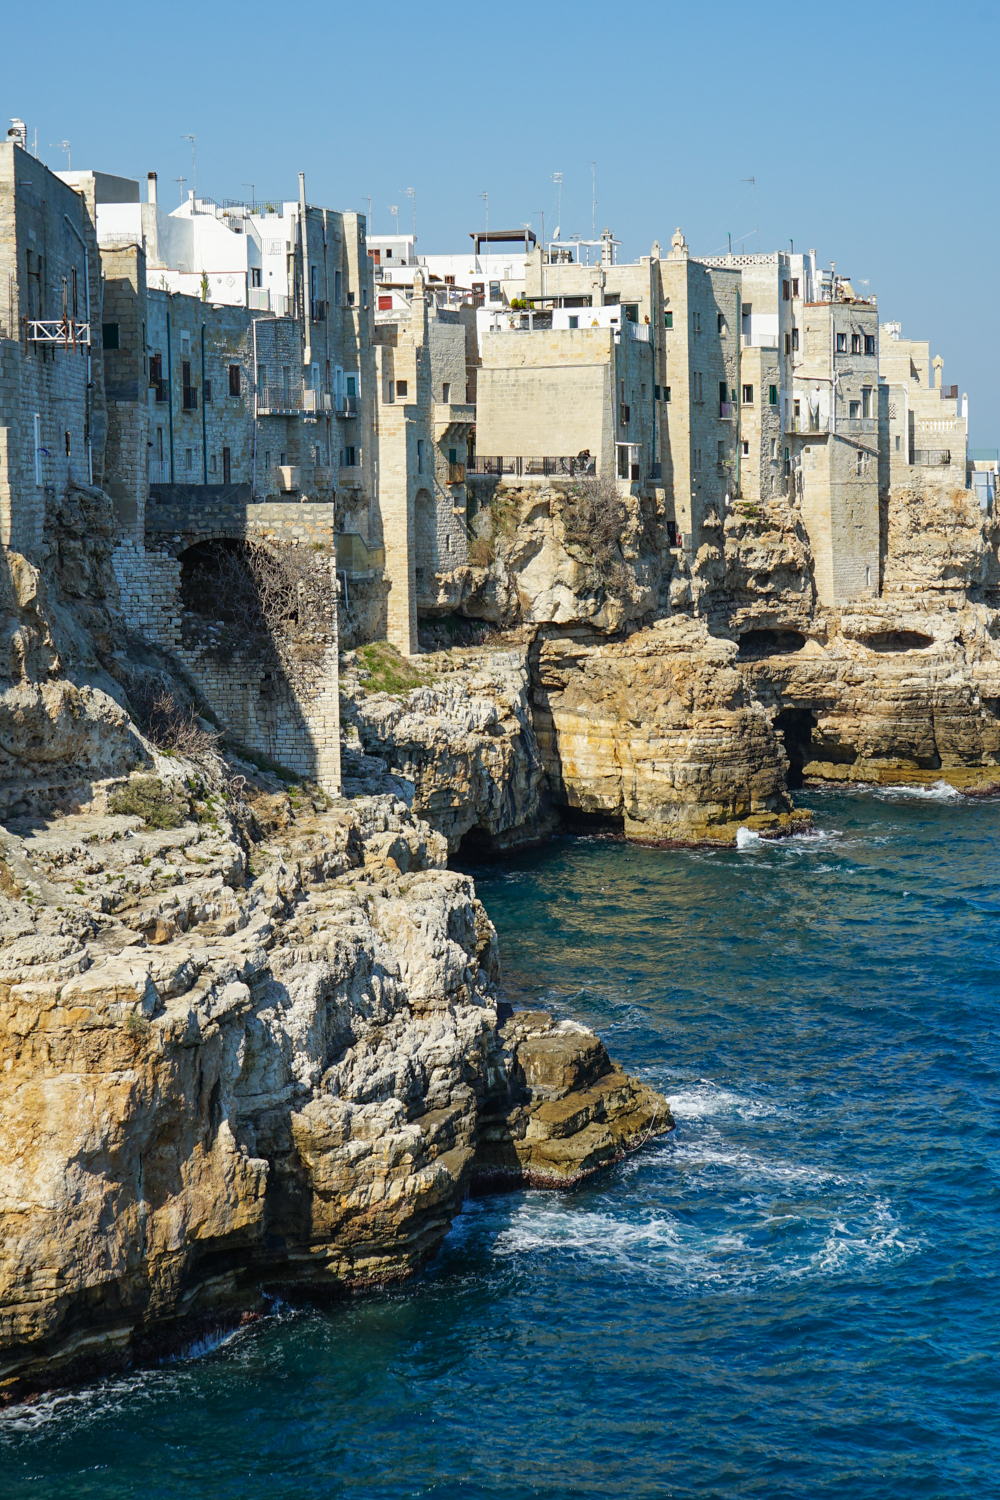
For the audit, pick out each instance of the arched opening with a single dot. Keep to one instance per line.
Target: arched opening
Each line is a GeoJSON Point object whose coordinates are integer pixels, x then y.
{"type": "Point", "coordinates": [755, 644]}
{"type": "Point", "coordinates": [217, 582]}
{"type": "Point", "coordinates": [898, 640]}
{"type": "Point", "coordinates": [795, 725]}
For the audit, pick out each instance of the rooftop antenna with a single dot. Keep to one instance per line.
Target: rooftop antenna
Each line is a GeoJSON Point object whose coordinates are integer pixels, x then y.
{"type": "Point", "coordinates": [486, 199]}
{"type": "Point", "coordinates": [557, 179]}
{"type": "Point", "coordinates": [62, 146]}
{"type": "Point", "coordinates": [593, 200]}
{"type": "Point", "coordinates": [181, 181]}
{"type": "Point", "coordinates": [412, 194]}
{"type": "Point", "coordinates": [730, 245]}
{"type": "Point", "coordinates": [394, 210]}
{"type": "Point", "coordinates": [194, 179]}
{"type": "Point", "coordinates": [253, 195]}
{"type": "Point", "coordinates": [755, 212]}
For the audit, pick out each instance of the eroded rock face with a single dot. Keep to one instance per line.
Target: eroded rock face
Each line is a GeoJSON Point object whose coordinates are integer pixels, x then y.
{"type": "Point", "coordinates": [466, 744]}
{"type": "Point", "coordinates": [223, 1073]}
{"type": "Point", "coordinates": [660, 730]}
{"type": "Point", "coordinates": [565, 1110]}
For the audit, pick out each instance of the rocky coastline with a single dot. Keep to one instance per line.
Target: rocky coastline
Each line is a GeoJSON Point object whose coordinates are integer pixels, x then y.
{"type": "Point", "coordinates": [254, 1038]}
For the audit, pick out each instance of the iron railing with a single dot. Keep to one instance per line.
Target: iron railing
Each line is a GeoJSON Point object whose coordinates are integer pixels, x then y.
{"type": "Point", "coordinates": [582, 464]}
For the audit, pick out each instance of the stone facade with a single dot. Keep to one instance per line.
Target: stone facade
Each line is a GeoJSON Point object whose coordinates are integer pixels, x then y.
{"type": "Point", "coordinates": [422, 432]}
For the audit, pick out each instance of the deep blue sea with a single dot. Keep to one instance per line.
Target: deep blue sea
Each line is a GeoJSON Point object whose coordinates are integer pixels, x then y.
{"type": "Point", "coordinates": [794, 1294]}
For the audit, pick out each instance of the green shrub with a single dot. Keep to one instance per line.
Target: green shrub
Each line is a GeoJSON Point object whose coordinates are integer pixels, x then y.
{"type": "Point", "coordinates": [388, 671]}
{"type": "Point", "coordinates": [146, 797]}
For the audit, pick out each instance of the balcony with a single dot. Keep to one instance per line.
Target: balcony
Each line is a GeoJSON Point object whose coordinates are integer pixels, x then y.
{"type": "Point", "coordinates": [858, 424]}
{"type": "Point", "coordinates": [456, 473]}
{"type": "Point", "coordinates": [289, 478]}
{"type": "Point", "coordinates": [324, 477]}
{"type": "Point", "coordinates": [278, 400]}
{"type": "Point", "coordinates": [804, 426]}
{"type": "Point", "coordinates": [568, 467]}
{"type": "Point", "coordinates": [346, 406]}
{"type": "Point", "coordinates": [65, 331]}
{"type": "Point", "coordinates": [641, 332]}
{"type": "Point", "coordinates": [726, 411]}
{"type": "Point", "coordinates": [259, 299]}
{"type": "Point", "coordinates": [316, 401]}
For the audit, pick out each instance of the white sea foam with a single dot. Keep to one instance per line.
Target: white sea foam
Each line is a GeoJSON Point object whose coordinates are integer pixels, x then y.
{"type": "Point", "coordinates": [940, 791]}
{"type": "Point", "coordinates": [746, 838]}
{"type": "Point", "coordinates": [705, 1100]}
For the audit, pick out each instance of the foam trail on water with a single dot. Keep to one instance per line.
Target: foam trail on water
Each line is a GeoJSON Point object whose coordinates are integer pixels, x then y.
{"type": "Point", "coordinates": [746, 838]}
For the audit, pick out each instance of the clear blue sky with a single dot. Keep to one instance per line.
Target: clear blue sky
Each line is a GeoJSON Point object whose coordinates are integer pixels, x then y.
{"type": "Point", "coordinates": [870, 130]}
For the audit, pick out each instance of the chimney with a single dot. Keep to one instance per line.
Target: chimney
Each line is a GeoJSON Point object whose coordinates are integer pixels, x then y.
{"type": "Point", "coordinates": [151, 187]}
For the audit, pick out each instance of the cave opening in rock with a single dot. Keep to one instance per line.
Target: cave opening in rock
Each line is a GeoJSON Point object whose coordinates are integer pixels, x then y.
{"type": "Point", "coordinates": [898, 640]}
{"type": "Point", "coordinates": [755, 644]}
{"type": "Point", "coordinates": [217, 582]}
{"type": "Point", "coordinates": [795, 725]}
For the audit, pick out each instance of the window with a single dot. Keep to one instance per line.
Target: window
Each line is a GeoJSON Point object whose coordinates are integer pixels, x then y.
{"type": "Point", "coordinates": [350, 458]}
{"type": "Point", "coordinates": [696, 459]}
{"type": "Point", "coordinates": [282, 459]}
{"type": "Point", "coordinates": [723, 394]}
{"type": "Point", "coordinates": [772, 394]}
{"type": "Point", "coordinates": [697, 322]}
{"type": "Point", "coordinates": [350, 299]}
{"type": "Point", "coordinates": [449, 281]}
{"type": "Point", "coordinates": [185, 345]}
{"type": "Point", "coordinates": [795, 340]}
{"type": "Point", "coordinates": [188, 456]}
{"type": "Point", "coordinates": [788, 343]}
{"type": "Point", "coordinates": [774, 449]}
{"type": "Point", "coordinates": [392, 393]}
{"type": "Point", "coordinates": [642, 390]}
{"type": "Point", "coordinates": [227, 466]}
{"type": "Point", "coordinates": [364, 296]}
{"type": "Point", "coordinates": [866, 401]}
{"type": "Point", "coordinates": [384, 304]}
{"type": "Point", "coordinates": [630, 312]}
{"type": "Point", "coordinates": [420, 455]}
{"type": "Point", "coordinates": [855, 343]}
{"type": "Point", "coordinates": [261, 377]}
{"type": "Point", "coordinates": [861, 462]}
{"type": "Point", "coordinates": [494, 291]}
{"type": "Point", "coordinates": [666, 393]}
{"type": "Point", "coordinates": [784, 291]}
{"type": "Point", "coordinates": [401, 389]}
{"type": "Point", "coordinates": [869, 343]}
{"type": "Point", "coordinates": [211, 464]}
{"type": "Point", "coordinates": [795, 286]}
{"type": "Point", "coordinates": [854, 408]}
{"type": "Point", "coordinates": [899, 443]}
{"type": "Point", "coordinates": [656, 393]}
{"type": "Point", "coordinates": [159, 445]}
{"type": "Point", "coordinates": [111, 334]}
{"type": "Point", "coordinates": [721, 454]}
{"type": "Point", "coordinates": [668, 320]}
{"type": "Point", "coordinates": [208, 390]}
{"type": "Point", "coordinates": [721, 324]}
{"type": "Point", "coordinates": [338, 281]}
{"type": "Point", "coordinates": [574, 322]}
{"type": "Point", "coordinates": [797, 408]}
{"type": "Point", "coordinates": [255, 275]}
{"type": "Point", "coordinates": [453, 455]}
{"type": "Point", "coordinates": [446, 392]}
{"type": "Point", "coordinates": [748, 395]}
{"type": "Point", "coordinates": [69, 445]}
{"type": "Point", "coordinates": [351, 385]}
{"type": "Point", "coordinates": [267, 459]}
{"type": "Point", "coordinates": [746, 447]}
{"type": "Point", "coordinates": [841, 343]}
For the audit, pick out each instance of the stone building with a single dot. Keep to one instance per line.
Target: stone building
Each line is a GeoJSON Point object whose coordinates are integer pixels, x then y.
{"type": "Point", "coordinates": [422, 432]}
{"type": "Point", "coordinates": [52, 418]}
{"type": "Point", "coordinates": [926, 423]}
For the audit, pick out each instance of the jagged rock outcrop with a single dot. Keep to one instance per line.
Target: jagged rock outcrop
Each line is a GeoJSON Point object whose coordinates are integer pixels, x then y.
{"type": "Point", "coordinates": [222, 1073]}
{"type": "Point", "coordinates": [464, 742]}
{"type": "Point", "coordinates": [564, 1111]}
{"type": "Point", "coordinates": [660, 730]}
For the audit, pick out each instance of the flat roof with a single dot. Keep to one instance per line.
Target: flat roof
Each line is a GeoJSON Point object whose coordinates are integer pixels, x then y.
{"type": "Point", "coordinates": [503, 236]}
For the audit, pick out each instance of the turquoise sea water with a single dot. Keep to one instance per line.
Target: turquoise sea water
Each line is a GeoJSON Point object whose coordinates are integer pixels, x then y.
{"type": "Point", "coordinates": [795, 1294]}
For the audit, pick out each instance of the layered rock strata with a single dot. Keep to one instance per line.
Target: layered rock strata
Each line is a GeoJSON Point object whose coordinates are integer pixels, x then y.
{"type": "Point", "coordinates": [223, 1071]}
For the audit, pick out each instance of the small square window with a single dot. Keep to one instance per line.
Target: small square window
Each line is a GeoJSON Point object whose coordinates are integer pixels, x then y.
{"type": "Point", "coordinates": [401, 389]}
{"type": "Point", "coordinates": [746, 447]}
{"type": "Point", "coordinates": [574, 322]}
{"type": "Point", "coordinates": [748, 395]}
{"type": "Point", "coordinates": [772, 394]}
{"type": "Point", "coordinates": [854, 409]}
{"type": "Point", "coordinates": [110, 335]}
{"type": "Point", "coordinates": [666, 393]}
{"type": "Point", "coordinates": [668, 320]}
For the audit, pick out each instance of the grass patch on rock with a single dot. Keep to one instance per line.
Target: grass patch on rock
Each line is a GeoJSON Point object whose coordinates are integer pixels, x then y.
{"type": "Point", "coordinates": [147, 798]}
{"type": "Point", "coordinates": [388, 671]}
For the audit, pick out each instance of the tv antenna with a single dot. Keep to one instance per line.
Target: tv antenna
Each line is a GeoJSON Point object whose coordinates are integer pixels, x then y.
{"type": "Point", "coordinates": [411, 193]}
{"type": "Point", "coordinates": [756, 214]}
{"type": "Point", "coordinates": [194, 178]}
{"type": "Point", "coordinates": [181, 181]}
{"type": "Point", "coordinates": [62, 146]}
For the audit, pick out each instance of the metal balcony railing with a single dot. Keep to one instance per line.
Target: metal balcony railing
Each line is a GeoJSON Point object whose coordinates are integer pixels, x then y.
{"type": "Point", "coordinates": [802, 426]}
{"type": "Point", "coordinates": [65, 331]}
{"type": "Point", "coordinates": [857, 424]}
{"type": "Point", "coordinates": [278, 400]}
{"type": "Point", "coordinates": [316, 401]}
{"type": "Point", "coordinates": [582, 464]}
{"type": "Point", "coordinates": [346, 406]}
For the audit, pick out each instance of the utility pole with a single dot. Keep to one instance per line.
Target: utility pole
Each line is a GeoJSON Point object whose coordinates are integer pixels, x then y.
{"type": "Point", "coordinates": [194, 176]}
{"type": "Point", "coordinates": [62, 146]}
{"type": "Point", "coordinates": [181, 181]}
